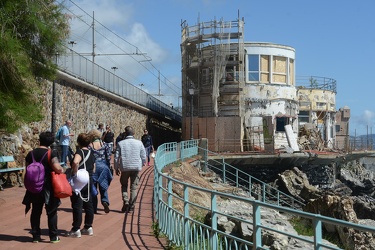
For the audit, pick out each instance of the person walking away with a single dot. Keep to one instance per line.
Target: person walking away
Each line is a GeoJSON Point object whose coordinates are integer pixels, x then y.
{"type": "Point", "coordinates": [147, 143]}
{"type": "Point", "coordinates": [130, 157]}
{"type": "Point", "coordinates": [80, 161]}
{"type": "Point", "coordinates": [101, 128]}
{"type": "Point", "coordinates": [45, 197]}
{"type": "Point", "coordinates": [102, 177]}
{"type": "Point", "coordinates": [108, 137]}
{"type": "Point", "coordinates": [64, 141]}
{"type": "Point", "coordinates": [120, 137]}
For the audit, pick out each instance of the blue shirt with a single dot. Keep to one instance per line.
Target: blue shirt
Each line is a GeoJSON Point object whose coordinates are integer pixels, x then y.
{"type": "Point", "coordinates": [65, 138]}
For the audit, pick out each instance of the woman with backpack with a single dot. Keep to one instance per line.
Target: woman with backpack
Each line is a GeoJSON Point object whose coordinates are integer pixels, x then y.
{"type": "Point", "coordinates": [81, 198]}
{"type": "Point", "coordinates": [39, 188]}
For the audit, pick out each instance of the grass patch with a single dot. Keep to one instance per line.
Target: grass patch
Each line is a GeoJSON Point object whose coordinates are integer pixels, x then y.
{"type": "Point", "coordinates": [156, 230]}
{"type": "Point", "coordinates": [304, 226]}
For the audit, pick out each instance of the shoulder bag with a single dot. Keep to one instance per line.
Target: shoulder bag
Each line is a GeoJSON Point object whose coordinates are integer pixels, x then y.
{"type": "Point", "coordinates": [81, 179]}
{"type": "Point", "coordinates": [60, 185]}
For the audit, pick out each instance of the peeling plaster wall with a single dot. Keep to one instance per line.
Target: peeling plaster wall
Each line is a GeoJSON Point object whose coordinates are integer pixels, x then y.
{"type": "Point", "coordinates": [322, 107]}
{"type": "Point", "coordinates": [270, 95]}
{"type": "Point", "coordinates": [269, 100]}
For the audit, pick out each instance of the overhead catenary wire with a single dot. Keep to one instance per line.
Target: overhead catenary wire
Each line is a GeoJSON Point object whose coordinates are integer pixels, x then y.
{"type": "Point", "coordinates": [152, 69]}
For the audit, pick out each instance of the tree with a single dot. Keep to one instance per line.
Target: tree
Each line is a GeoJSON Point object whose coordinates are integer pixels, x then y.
{"type": "Point", "coordinates": [32, 32]}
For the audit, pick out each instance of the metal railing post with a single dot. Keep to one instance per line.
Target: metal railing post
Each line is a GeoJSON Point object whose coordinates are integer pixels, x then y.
{"type": "Point", "coordinates": [213, 234]}
{"type": "Point", "coordinates": [317, 224]}
{"type": "Point", "coordinates": [186, 217]}
{"type": "Point", "coordinates": [257, 234]}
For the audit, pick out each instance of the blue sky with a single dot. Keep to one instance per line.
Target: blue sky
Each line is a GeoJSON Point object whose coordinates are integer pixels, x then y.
{"type": "Point", "coordinates": [333, 39]}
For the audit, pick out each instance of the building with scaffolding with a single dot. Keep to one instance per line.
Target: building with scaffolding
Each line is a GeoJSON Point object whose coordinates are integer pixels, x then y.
{"type": "Point", "coordinates": [241, 96]}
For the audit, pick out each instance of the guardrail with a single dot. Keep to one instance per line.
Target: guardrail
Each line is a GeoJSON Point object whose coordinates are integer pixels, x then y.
{"type": "Point", "coordinates": [180, 225]}
{"type": "Point", "coordinates": [86, 70]}
{"type": "Point", "coordinates": [251, 185]}
{"type": "Point", "coordinates": [316, 82]}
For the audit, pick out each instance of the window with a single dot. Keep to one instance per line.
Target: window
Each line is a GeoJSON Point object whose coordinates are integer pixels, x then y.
{"type": "Point", "coordinates": [304, 104]}
{"type": "Point", "coordinates": [320, 105]}
{"type": "Point", "coordinates": [253, 67]}
{"type": "Point", "coordinates": [280, 123]}
{"type": "Point", "coordinates": [279, 69]}
{"type": "Point", "coordinates": [304, 117]}
{"type": "Point", "coordinates": [338, 128]}
{"type": "Point", "coordinates": [265, 68]}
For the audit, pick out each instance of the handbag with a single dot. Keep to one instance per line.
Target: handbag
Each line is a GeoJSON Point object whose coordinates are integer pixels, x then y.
{"type": "Point", "coordinates": [81, 179]}
{"type": "Point", "coordinates": [60, 185]}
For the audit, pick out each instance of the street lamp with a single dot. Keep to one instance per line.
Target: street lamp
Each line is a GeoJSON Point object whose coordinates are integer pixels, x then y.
{"type": "Point", "coordinates": [54, 145]}
{"type": "Point", "coordinates": [114, 68]}
{"type": "Point", "coordinates": [72, 43]}
{"type": "Point", "coordinates": [141, 85]}
{"type": "Point", "coordinates": [191, 93]}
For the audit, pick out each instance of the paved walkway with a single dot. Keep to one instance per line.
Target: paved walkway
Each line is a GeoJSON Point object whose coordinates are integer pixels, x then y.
{"type": "Point", "coordinates": [114, 230]}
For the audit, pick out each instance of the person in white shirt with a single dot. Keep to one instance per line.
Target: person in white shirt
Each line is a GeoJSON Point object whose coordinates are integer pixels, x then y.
{"type": "Point", "coordinates": [130, 157]}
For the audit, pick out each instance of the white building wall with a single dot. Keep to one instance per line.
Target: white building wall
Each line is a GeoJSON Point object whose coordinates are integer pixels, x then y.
{"type": "Point", "coordinates": [269, 99]}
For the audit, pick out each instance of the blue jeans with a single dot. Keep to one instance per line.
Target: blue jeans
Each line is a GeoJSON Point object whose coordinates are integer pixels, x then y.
{"type": "Point", "coordinates": [103, 197]}
{"type": "Point", "coordinates": [64, 153]}
{"type": "Point", "coordinates": [102, 179]}
{"type": "Point", "coordinates": [148, 152]}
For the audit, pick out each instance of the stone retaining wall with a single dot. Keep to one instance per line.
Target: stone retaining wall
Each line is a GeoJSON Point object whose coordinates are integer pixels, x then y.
{"type": "Point", "coordinates": [85, 108]}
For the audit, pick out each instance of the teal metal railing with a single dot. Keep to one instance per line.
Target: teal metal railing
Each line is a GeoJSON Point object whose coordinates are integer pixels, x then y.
{"type": "Point", "coordinates": [177, 218]}
{"type": "Point", "coordinates": [253, 186]}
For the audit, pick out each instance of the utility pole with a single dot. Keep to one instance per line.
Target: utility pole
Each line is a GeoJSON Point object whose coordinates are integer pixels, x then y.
{"type": "Point", "coordinates": [159, 82]}
{"type": "Point", "coordinates": [93, 37]}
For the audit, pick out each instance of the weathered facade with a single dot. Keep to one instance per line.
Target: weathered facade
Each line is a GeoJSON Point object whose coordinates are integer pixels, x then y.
{"type": "Point", "coordinates": [317, 105]}
{"type": "Point", "coordinates": [244, 96]}
{"type": "Point", "coordinates": [239, 95]}
{"type": "Point", "coordinates": [342, 128]}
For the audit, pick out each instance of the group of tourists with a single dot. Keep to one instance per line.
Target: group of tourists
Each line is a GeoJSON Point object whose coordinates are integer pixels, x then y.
{"type": "Point", "coordinates": [94, 153]}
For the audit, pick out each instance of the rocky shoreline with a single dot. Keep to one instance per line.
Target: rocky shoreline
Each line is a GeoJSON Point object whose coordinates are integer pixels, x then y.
{"type": "Point", "coordinates": [350, 197]}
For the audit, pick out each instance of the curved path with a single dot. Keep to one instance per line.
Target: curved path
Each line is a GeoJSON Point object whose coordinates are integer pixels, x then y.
{"type": "Point", "coordinates": [114, 230]}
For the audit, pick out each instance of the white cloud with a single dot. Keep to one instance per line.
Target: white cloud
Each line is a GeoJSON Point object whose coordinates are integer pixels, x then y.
{"type": "Point", "coordinates": [139, 36]}
{"type": "Point", "coordinates": [118, 33]}
{"type": "Point", "coordinates": [368, 117]}
{"type": "Point", "coordinates": [363, 122]}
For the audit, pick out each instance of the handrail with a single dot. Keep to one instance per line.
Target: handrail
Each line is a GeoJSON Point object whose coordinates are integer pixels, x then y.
{"type": "Point", "coordinates": [178, 224]}
{"type": "Point", "coordinates": [316, 82]}
{"type": "Point", "coordinates": [250, 184]}
{"type": "Point", "coordinates": [81, 67]}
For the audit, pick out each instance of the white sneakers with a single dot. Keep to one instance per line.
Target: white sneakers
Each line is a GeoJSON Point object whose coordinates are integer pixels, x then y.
{"type": "Point", "coordinates": [74, 234]}
{"type": "Point", "coordinates": [78, 233]}
{"type": "Point", "coordinates": [88, 231]}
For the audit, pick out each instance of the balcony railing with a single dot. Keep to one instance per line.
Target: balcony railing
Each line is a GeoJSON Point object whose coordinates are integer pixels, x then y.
{"type": "Point", "coordinates": [316, 82]}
